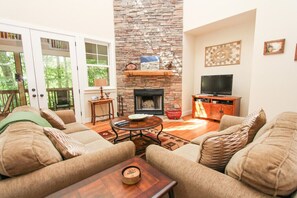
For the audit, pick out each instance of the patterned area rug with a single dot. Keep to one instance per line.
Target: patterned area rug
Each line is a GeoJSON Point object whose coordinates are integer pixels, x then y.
{"type": "Point", "coordinates": [168, 141]}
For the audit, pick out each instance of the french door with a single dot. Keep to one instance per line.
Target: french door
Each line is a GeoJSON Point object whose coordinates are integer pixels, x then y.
{"type": "Point", "coordinates": [43, 68]}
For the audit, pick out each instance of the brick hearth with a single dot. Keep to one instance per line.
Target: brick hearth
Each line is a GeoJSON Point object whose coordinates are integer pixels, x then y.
{"type": "Point", "coordinates": [145, 28]}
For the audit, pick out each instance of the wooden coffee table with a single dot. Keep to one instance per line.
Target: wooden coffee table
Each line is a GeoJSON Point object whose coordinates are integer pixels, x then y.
{"type": "Point", "coordinates": [108, 183]}
{"type": "Point", "coordinates": [137, 126]}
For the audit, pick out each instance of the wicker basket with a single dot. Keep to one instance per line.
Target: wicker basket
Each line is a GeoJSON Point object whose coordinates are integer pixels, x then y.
{"type": "Point", "coordinates": [174, 114]}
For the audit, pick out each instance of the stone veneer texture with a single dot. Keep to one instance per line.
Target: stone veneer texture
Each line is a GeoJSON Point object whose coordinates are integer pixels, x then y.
{"type": "Point", "coordinates": [149, 28]}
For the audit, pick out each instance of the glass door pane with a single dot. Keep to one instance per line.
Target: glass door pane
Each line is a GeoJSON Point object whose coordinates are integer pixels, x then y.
{"type": "Point", "coordinates": [13, 72]}
{"type": "Point", "coordinates": [57, 73]}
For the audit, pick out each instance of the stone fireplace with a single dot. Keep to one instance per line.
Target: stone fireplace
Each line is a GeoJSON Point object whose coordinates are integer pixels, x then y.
{"type": "Point", "coordinates": [148, 28]}
{"type": "Point", "coordinates": [149, 101]}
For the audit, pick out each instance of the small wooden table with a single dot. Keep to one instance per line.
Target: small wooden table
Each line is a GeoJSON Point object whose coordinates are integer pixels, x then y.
{"type": "Point", "coordinates": [108, 183]}
{"type": "Point", "coordinates": [137, 125]}
{"type": "Point", "coordinates": [101, 102]}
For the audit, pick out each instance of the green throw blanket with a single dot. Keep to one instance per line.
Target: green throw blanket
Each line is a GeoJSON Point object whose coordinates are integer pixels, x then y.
{"type": "Point", "coordinates": [23, 116]}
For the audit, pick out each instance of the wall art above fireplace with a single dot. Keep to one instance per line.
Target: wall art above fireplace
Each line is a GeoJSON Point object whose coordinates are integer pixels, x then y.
{"type": "Point", "coordinates": [149, 62]}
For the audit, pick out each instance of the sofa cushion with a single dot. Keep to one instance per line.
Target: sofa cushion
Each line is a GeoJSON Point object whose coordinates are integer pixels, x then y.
{"type": "Point", "coordinates": [67, 146]}
{"type": "Point", "coordinates": [189, 151]}
{"type": "Point", "coordinates": [269, 163]}
{"type": "Point", "coordinates": [26, 109]}
{"type": "Point", "coordinates": [98, 145]}
{"type": "Point", "coordinates": [24, 148]}
{"type": "Point", "coordinates": [74, 127]}
{"type": "Point", "coordinates": [217, 148]}
{"type": "Point", "coordinates": [86, 137]}
{"type": "Point", "coordinates": [253, 122]}
{"type": "Point", "coordinates": [53, 118]}
{"type": "Point", "coordinates": [198, 139]}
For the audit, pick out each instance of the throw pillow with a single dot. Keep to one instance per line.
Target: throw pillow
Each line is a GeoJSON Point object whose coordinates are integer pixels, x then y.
{"type": "Point", "coordinates": [217, 148]}
{"type": "Point", "coordinates": [53, 118]}
{"type": "Point", "coordinates": [269, 163]}
{"type": "Point", "coordinates": [67, 146]}
{"type": "Point", "coordinates": [253, 122]}
{"type": "Point", "coordinates": [24, 148]}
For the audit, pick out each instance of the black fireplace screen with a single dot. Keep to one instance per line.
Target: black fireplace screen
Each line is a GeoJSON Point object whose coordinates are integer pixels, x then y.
{"type": "Point", "coordinates": [149, 101]}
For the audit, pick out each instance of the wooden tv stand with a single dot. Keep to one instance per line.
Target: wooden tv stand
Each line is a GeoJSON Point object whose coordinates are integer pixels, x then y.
{"type": "Point", "coordinates": [214, 107]}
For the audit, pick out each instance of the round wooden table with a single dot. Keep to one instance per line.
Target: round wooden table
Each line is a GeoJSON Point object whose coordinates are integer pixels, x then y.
{"type": "Point", "coordinates": [135, 126]}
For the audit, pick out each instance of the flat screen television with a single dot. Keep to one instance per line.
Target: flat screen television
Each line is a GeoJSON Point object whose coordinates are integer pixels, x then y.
{"type": "Point", "coordinates": [217, 84]}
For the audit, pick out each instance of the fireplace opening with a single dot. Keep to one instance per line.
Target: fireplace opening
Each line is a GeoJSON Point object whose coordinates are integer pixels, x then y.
{"type": "Point", "coordinates": [149, 101]}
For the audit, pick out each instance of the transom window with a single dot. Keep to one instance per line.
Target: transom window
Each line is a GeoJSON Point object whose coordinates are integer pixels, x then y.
{"type": "Point", "coordinates": [97, 58]}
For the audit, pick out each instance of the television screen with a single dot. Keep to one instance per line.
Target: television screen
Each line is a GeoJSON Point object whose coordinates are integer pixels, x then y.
{"type": "Point", "coordinates": [217, 84]}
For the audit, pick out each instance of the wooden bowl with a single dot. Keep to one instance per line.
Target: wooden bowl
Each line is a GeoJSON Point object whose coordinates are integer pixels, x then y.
{"type": "Point", "coordinates": [131, 175]}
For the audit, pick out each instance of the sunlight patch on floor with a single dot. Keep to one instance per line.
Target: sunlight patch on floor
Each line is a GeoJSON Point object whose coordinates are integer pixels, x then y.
{"type": "Point", "coordinates": [187, 126]}
{"type": "Point", "coordinates": [197, 121]}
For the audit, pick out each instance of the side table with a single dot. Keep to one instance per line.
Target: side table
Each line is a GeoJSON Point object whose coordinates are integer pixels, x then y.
{"type": "Point", "coordinates": [108, 101]}
{"type": "Point", "coordinates": [108, 183]}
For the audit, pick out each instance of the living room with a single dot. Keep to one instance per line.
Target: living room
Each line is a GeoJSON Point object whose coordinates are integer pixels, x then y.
{"type": "Point", "coordinates": [262, 81]}
{"type": "Point", "coordinates": [256, 72]}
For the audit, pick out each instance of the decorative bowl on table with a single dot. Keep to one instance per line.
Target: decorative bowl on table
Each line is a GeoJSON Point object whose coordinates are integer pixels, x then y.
{"type": "Point", "coordinates": [137, 116]}
{"type": "Point", "coordinates": [131, 175]}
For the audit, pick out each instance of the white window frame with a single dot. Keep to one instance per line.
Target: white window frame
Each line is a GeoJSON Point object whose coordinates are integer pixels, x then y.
{"type": "Point", "coordinates": [108, 56]}
{"type": "Point", "coordinates": [81, 40]}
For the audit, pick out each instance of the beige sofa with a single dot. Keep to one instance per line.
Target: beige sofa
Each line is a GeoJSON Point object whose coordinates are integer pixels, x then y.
{"type": "Point", "coordinates": [263, 168]}
{"type": "Point", "coordinates": [51, 178]}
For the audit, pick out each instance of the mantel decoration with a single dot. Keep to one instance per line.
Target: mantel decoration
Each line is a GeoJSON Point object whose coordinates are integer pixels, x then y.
{"type": "Point", "coordinates": [274, 47]}
{"type": "Point", "coordinates": [130, 66]}
{"type": "Point", "coordinates": [223, 54]}
{"type": "Point", "coordinates": [149, 62]}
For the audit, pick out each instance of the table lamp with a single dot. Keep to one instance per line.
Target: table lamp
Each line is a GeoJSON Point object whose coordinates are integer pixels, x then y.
{"type": "Point", "coordinates": [100, 83]}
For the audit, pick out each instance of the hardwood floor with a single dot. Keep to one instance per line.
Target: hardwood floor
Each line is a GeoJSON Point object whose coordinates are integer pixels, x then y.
{"type": "Point", "coordinates": [188, 128]}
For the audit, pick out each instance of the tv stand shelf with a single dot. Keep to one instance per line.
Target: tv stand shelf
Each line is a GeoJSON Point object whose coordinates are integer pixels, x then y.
{"type": "Point", "coordinates": [214, 107]}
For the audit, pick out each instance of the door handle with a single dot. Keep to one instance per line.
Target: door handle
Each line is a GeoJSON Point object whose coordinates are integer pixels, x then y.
{"type": "Point", "coordinates": [41, 95]}
{"type": "Point", "coordinates": [34, 95]}
{"type": "Point", "coordinates": [33, 89]}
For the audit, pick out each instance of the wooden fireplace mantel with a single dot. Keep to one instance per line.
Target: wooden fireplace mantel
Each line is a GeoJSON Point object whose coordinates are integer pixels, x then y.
{"type": "Point", "coordinates": [148, 73]}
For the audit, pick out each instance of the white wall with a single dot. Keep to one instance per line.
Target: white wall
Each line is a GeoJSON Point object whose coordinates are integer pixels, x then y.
{"type": "Point", "coordinates": [242, 72]}
{"type": "Point", "coordinates": [274, 77]}
{"type": "Point", "coordinates": [188, 77]}
{"type": "Point", "coordinates": [89, 17]}
{"type": "Point", "coordinates": [200, 12]}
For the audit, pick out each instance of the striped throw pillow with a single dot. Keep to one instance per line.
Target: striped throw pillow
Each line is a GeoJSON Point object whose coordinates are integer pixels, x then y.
{"type": "Point", "coordinates": [253, 122]}
{"type": "Point", "coordinates": [66, 145]}
{"type": "Point", "coordinates": [217, 148]}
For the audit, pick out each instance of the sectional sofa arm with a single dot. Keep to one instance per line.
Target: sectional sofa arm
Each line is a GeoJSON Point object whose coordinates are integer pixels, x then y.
{"type": "Point", "coordinates": [228, 121]}
{"type": "Point", "coordinates": [196, 180]}
{"type": "Point", "coordinates": [67, 116]}
{"type": "Point", "coordinates": [57, 176]}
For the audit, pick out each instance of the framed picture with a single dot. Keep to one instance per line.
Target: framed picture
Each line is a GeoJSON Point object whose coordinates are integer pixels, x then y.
{"type": "Point", "coordinates": [274, 47]}
{"type": "Point", "coordinates": [149, 62]}
{"type": "Point", "coordinates": [223, 54]}
{"type": "Point", "coordinates": [296, 53]}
